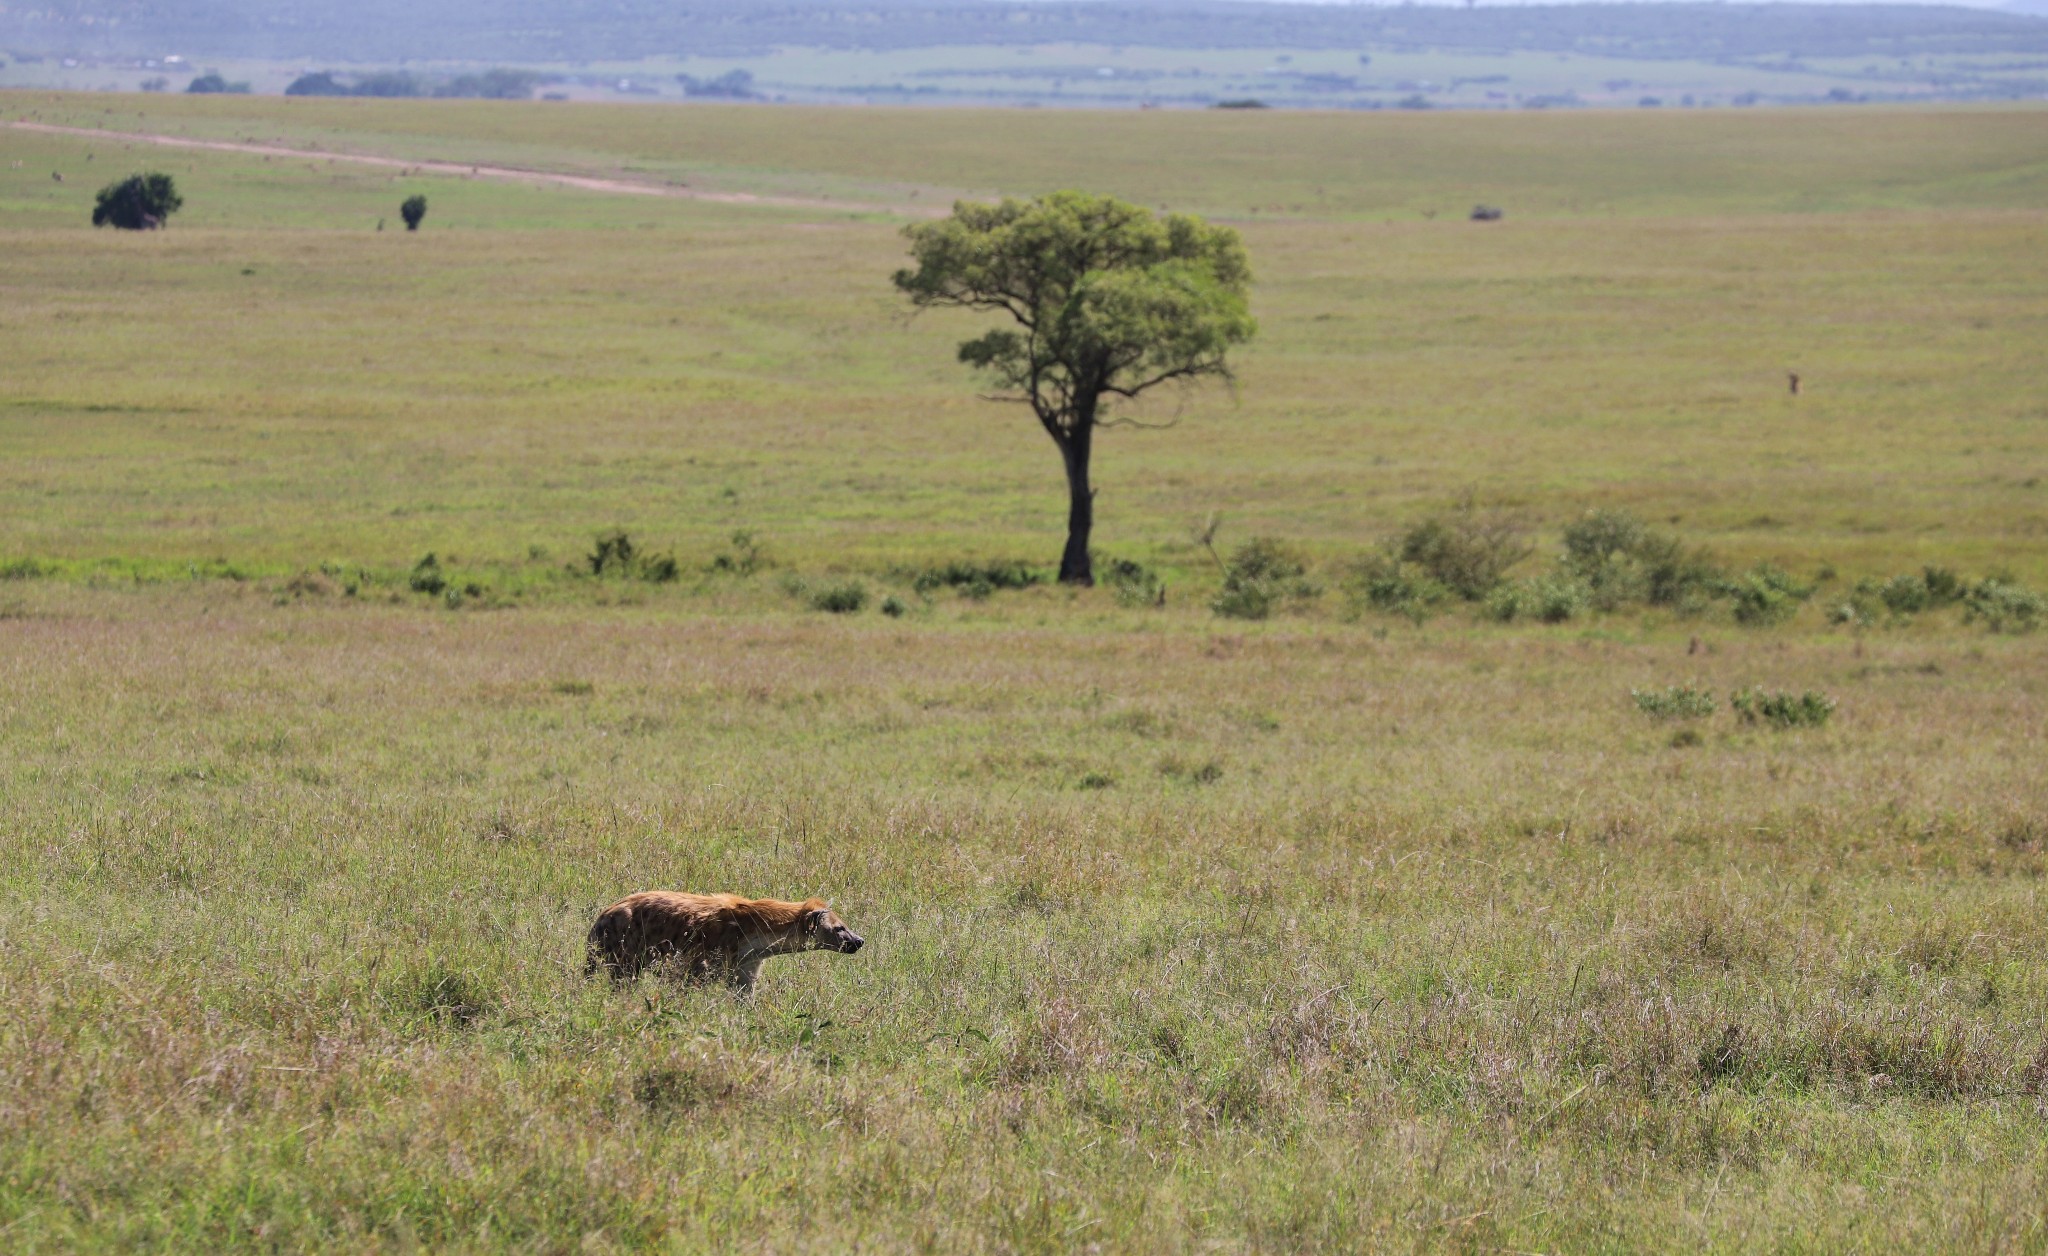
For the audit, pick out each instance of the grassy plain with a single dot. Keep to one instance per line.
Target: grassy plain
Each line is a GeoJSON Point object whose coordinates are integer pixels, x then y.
{"type": "Point", "coordinates": [1309, 934]}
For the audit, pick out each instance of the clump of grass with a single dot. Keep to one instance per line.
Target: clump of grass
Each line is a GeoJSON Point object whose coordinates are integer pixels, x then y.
{"type": "Point", "coordinates": [435, 991]}
{"type": "Point", "coordinates": [1810, 709]}
{"type": "Point", "coordinates": [24, 569]}
{"type": "Point", "coordinates": [1262, 575]}
{"type": "Point", "coordinates": [1674, 702]}
{"type": "Point", "coordinates": [894, 607]}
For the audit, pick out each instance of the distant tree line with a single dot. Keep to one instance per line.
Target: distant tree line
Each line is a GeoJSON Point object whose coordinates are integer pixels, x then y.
{"type": "Point", "coordinates": [498, 84]}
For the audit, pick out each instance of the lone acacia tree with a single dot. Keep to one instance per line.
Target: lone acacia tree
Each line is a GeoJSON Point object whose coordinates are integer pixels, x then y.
{"type": "Point", "coordinates": [1109, 302]}
{"type": "Point", "coordinates": [140, 202]}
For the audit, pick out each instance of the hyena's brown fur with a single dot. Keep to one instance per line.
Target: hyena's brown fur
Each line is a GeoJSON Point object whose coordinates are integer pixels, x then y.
{"type": "Point", "coordinates": [711, 937]}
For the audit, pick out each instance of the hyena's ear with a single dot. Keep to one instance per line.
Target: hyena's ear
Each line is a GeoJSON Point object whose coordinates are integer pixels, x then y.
{"type": "Point", "coordinates": [812, 909]}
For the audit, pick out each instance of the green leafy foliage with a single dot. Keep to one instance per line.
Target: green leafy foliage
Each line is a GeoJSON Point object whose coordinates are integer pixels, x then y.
{"type": "Point", "coordinates": [2004, 606]}
{"type": "Point", "coordinates": [1765, 595]}
{"type": "Point", "coordinates": [1468, 550]}
{"type": "Point", "coordinates": [140, 202]}
{"type": "Point", "coordinates": [1674, 702]}
{"type": "Point", "coordinates": [414, 211]}
{"type": "Point", "coordinates": [843, 598]}
{"type": "Point", "coordinates": [1263, 575]}
{"type": "Point", "coordinates": [1810, 709]}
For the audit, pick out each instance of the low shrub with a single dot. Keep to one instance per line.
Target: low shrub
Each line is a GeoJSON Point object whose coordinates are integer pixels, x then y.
{"type": "Point", "coordinates": [1620, 560]}
{"type": "Point", "coordinates": [1810, 709]}
{"type": "Point", "coordinates": [1468, 551]}
{"type": "Point", "coordinates": [615, 554]}
{"type": "Point", "coordinates": [1261, 575]}
{"type": "Point", "coordinates": [1766, 595]}
{"type": "Point", "coordinates": [978, 579]}
{"type": "Point", "coordinates": [894, 607]}
{"type": "Point", "coordinates": [24, 569]}
{"type": "Point", "coordinates": [1390, 586]}
{"type": "Point", "coordinates": [1553, 599]}
{"type": "Point", "coordinates": [1674, 702]}
{"type": "Point", "coordinates": [427, 577]}
{"type": "Point", "coordinates": [844, 598]}
{"type": "Point", "coordinates": [2004, 606]}
{"type": "Point", "coordinates": [1133, 583]}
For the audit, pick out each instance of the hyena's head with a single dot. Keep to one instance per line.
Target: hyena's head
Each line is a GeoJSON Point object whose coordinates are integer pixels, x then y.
{"type": "Point", "coordinates": [823, 930]}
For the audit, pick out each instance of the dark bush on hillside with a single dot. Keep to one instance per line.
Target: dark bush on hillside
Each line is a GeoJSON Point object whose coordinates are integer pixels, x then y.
{"type": "Point", "coordinates": [414, 211]}
{"type": "Point", "coordinates": [140, 202]}
{"type": "Point", "coordinates": [319, 83]}
{"type": "Point", "coordinates": [731, 85]}
{"type": "Point", "coordinates": [1134, 584]}
{"type": "Point", "coordinates": [390, 83]}
{"type": "Point", "coordinates": [211, 83]}
{"type": "Point", "coordinates": [1262, 575]}
{"type": "Point", "coordinates": [977, 579]}
{"type": "Point", "coordinates": [498, 84]}
{"type": "Point", "coordinates": [1468, 551]}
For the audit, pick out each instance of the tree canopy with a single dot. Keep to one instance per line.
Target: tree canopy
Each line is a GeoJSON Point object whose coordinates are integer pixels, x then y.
{"type": "Point", "coordinates": [1108, 301]}
{"type": "Point", "coordinates": [140, 202]}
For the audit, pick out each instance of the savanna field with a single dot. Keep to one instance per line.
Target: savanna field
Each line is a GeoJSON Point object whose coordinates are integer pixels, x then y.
{"type": "Point", "coordinates": [1393, 919]}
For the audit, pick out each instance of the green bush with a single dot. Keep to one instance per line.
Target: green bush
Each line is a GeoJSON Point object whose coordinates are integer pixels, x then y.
{"type": "Point", "coordinates": [1674, 702]}
{"type": "Point", "coordinates": [893, 607]}
{"type": "Point", "coordinates": [1553, 599]}
{"type": "Point", "coordinates": [979, 579]}
{"type": "Point", "coordinates": [1468, 551]}
{"type": "Point", "coordinates": [1620, 560]}
{"type": "Point", "coordinates": [1263, 574]}
{"type": "Point", "coordinates": [844, 598]}
{"type": "Point", "coordinates": [2004, 606]}
{"type": "Point", "coordinates": [1383, 583]}
{"type": "Point", "coordinates": [414, 210]}
{"type": "Point", "coordinates": [1766, 595]}
{"type": "Point", "coordinates": [1810, 709]}
{"type": "Point", "coordinates": [427, 576]}
{"type": "Point", "coordinates": [140, 202]}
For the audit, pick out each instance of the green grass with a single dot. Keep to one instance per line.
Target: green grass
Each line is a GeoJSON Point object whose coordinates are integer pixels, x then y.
{"type": "Point", "coordinates": [1305, 934]}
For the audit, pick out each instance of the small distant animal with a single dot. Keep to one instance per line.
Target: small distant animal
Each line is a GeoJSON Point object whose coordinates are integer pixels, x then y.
{"type": "Point", "coordinates": [1793, 376]}
{"type": "Point", "coordinates": [1487, 213]}
{"type": "Point", "coordinates": [710, 937]}
{"type": "Point", "coordinates": [57, 175]}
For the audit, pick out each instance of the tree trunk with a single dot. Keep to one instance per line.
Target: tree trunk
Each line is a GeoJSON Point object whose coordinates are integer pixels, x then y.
{"type": "Point", "coordinates": [1075, 565]}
